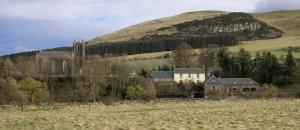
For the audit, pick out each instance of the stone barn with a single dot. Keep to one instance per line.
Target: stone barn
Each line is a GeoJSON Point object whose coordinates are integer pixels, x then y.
{"type": "Point", "coordinates": [231, 86]}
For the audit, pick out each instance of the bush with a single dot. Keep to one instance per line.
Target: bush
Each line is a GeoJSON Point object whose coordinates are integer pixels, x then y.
{"type": "Point", "coordinates": [107, 100]}
{"type": "Point", "coordinates": [137, 92]}
{"type": "Point", "coordinates": [134, 92]}
{"type": "Point", "coordinates": [10, 93]}
{"type": "Point", "coordinates": [150, 92]}
{"type": "Point", "coordinates": [216, 95]}
{"type": "Point", "coordinates": [170, 90]}
{"type": "Point", "coordinates": [167, 55]}
{"type": "Point", "coordinates": [268, 91]}
{"type": "Point", "coordinates": [36, 91]}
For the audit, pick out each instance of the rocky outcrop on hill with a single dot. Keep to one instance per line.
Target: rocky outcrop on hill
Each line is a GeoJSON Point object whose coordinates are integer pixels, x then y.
{"type": "Point", "coordinates": [242, 25]}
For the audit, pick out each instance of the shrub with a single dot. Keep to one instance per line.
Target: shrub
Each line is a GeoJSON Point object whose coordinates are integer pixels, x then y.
{"type": "Point", "coordinates": [135, 92]}
{"type": "Point", "coordinates": [10, 93]}
{"type": "Point", "coordinates": [138, 92]}
{"type": "Point", "coordinates": [216, 95]}
{"type": "Point", "coordinates": [268, 91]}
{"type": "Point", "coordinates": [107, 100]}
{"type": "Point", "coordinates": [170, 90]}
{"type": "Point", "coordinates": [36, 91]}
{"type": "Point", "coordinates": [150, 92]}
{"type": "Point", "coordinates": [167, 55]}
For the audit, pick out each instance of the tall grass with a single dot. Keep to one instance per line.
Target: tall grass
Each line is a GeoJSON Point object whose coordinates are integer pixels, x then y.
{"type": "Point", "coordinates": [161, 114]}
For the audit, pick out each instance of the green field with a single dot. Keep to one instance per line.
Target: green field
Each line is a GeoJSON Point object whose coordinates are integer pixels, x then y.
{"type": "Point", "coordinates": [152, 60]}
{"type": "Point", "coordinates": [161, 114]}
{"type": "Point", "coordinates": [273, 45]}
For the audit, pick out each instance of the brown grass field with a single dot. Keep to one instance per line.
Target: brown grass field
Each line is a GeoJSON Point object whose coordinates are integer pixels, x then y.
{"type": "Point", "coordinates": [161, 114]}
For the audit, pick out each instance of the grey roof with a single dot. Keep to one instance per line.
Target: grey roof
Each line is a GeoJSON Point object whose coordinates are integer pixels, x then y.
{"type": "Point", "coordinates": [189, 70]}
{"type": "Point", "coordinates": [238, 81]}
{"type": "Point", "coordinates": [55, 54]}
{"type": "Point", "coordinates": [214, 80]}
{"type": "Point", "coordinates": [162, 74]}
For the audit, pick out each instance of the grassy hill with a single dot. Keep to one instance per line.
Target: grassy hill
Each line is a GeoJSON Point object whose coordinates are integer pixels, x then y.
{"type": "Point", "coordinates": [142, 29]}
{"type": "Point", "coordinates": [287, 21]}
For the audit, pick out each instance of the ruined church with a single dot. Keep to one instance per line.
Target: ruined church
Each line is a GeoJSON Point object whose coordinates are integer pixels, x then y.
{"type": "Point", "coordinates": [62, 63]}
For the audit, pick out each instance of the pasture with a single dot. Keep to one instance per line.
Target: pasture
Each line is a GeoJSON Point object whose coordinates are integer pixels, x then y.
{"type": "Point", "coordinates": [160, 114]}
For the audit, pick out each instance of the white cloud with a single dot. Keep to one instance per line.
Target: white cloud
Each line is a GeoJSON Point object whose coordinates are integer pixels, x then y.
{"type": "Point", "coordinates": [272, 5]}
{"type": "Point", "coordinates": [126, 9]}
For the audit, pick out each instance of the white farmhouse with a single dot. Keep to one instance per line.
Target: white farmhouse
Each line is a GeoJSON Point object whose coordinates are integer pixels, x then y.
{"type": "Point", "coordinates": [185, 75]}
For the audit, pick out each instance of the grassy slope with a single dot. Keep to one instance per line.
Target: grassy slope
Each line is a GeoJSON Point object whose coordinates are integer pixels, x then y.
{"type": "Point", "coordinates": [225, 114]}
{"type": "Point", "coordinates": [287, 21]}
{"type": "Point", "coordinates": [140, 30]}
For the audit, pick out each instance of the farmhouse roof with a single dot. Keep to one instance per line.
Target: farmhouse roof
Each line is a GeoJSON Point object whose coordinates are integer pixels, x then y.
{"type": "Point", "coordinates": [238, 81]}
{"type": "Point", "coordinates": [189, 70]}
{"type": "Point", "coordinates": [56, 54]}
{"type": "Point", "coordinates": [162, 74]}
{"type": "Point", "coordinates": [214, 80]}
{"type": "Point", "coordinates": [230, 81]}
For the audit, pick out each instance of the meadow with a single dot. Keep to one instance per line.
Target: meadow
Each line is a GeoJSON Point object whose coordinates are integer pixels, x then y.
{"type": "Point", "coordinates": [160, 114]}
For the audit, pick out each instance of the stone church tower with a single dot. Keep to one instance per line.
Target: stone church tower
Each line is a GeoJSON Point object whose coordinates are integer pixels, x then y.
{"type": "Point", "coordinates": [79, 57]}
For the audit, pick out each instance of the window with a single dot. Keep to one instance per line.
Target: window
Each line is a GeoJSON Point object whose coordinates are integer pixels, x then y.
{"type": "Point", "coordinates": [53, 67]}
{"type": "Point", "coordinates": [42, 67]}
{"type": "Point", "coordinates": [253, 89]}
{"type": "Point", "coordinates": [65, 66]}
{"type": "Point", "coordinates": [246, 89]}
{"type": "Point", "coordinates": [189, 75]}
{"type": "Point", "coordinates": [181, 75]}
{"type": "Point", "coordinates": [213, 88]}
{"type": "Point", "coordinates": [78, 48]}
{"type": "Point", "coordinates": [234, 89]}
{"type": "Point", "coordinates": [198, 75]}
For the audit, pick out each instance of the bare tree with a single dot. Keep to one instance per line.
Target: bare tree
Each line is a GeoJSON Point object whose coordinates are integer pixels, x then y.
{"type": "Point", "coordinates": [9, 69]}
{"type": "Point", "coordinates": [182, 55]}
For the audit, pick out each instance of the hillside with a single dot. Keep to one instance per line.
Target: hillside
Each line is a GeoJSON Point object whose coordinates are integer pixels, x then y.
{"type": "Point", "coordinates": [142, 29]}
{"type": "Point", "coordinates": [222, 30]}
{"type": "Point", "coordinates": [277, 19]}
{"type": "Point", "coordinates": [287, 21]}
{"type": "Point", "coordinates": [242, 25]}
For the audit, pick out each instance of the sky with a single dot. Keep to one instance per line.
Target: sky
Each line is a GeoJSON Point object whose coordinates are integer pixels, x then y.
{"type": "Point", "coordinates": [27, 25]}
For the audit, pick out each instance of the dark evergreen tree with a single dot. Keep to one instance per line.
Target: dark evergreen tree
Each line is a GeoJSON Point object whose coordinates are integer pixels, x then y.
{"type": "Point", "coordinates": [289, 68]}
{"type": "Point", "coordinates": [224, 60]}
{"type": "Point", "coordinates": [144, 73]}
{"type": "Point", "coordinates": [256, 67]}
{"type": "Point", "coordinates": [235, 68]}
{"type": "Point", "coordinates": [244, 60]}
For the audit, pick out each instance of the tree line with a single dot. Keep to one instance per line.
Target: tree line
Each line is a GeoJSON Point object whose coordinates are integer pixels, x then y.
{"type": "Point", "coordinates": [160, 43]}
{"type": "Point", "coordinates": [102, 80]}
{"type": "Point", "coordinates": [263, 68]}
